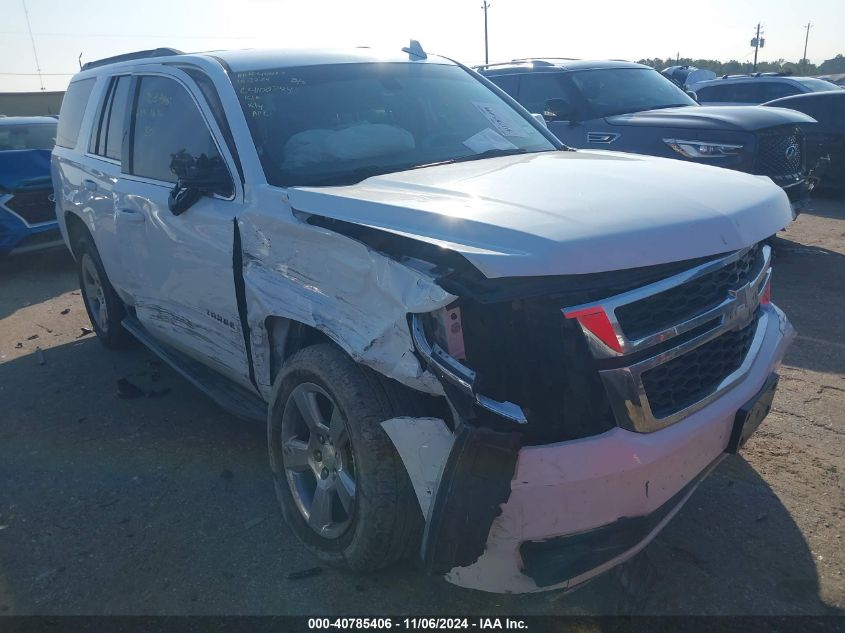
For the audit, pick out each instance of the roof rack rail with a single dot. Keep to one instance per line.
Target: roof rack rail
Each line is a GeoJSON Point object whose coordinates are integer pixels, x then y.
{"type": "Point", "coordinates": [539, 61]}
{"type": "Point", "coordinates": [153, 52]}
{"type": "Point", "coordinates": [782, 73]}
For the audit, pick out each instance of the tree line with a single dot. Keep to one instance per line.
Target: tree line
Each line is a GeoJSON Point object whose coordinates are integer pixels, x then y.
{"type": "Point", "coordinates": [803, 67]}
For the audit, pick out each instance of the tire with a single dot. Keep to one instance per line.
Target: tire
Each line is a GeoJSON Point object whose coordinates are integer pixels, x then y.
{"type": "Point", "coordinates": [105, 309]}
{"type": "Point", "coordinates": [380, 523]}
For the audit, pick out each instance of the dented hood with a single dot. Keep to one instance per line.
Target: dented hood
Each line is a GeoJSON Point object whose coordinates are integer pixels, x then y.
{"type": "Point", "coordinates": [562, 212]}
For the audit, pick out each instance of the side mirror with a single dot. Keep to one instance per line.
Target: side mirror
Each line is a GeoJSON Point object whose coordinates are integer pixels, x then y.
{"type": "Point", "coordinates": [196, 178]}
{"type": "Point", "coordinates": [559, 110]}
{"type": "Point", "coordinates": [187, 191]}
{"type": "Point", "coordinates": [540, 119]}
{"type": "Point", "coordinates": [692, 95]}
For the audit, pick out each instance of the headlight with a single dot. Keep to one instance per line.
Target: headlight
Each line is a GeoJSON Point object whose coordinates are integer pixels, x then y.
{"type": "Point", "coordinates": [702, 149]}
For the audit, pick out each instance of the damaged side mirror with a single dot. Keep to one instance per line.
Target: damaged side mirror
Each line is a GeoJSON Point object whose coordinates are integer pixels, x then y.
{"type": "Point", "coordinates": [196, 177]}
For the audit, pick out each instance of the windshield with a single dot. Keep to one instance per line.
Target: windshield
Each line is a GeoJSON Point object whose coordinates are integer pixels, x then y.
{"type": "Point", "coordinates": [338, 124]}
{"type": "Point", "coordinates": [816, 85]}
{"type": "Point", "coordinates": [610, 91]}
{"type": "Point", "coordinates": [36, 136]}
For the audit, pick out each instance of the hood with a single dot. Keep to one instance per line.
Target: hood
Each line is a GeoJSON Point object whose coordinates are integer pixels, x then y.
{"type": "Point", "coordinates": [563, 212]}
{"type": "Point", "coordinates": [25, 169]}
{"type": "Point", "coordinates": [743, 118]}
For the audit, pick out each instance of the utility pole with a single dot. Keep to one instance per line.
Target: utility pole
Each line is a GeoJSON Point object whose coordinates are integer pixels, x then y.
{"type": "Point", "coordinates": [486, 6]}
{"type": "Point", "coordinates": [757, 43]}
{"type": "Point", "coordinates": [806, 39]}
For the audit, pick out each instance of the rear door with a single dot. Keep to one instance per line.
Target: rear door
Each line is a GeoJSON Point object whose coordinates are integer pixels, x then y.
{"type": "Point", "coordinates": [182, 265]}
{"type": "Point", "coordinates": [101, 151]}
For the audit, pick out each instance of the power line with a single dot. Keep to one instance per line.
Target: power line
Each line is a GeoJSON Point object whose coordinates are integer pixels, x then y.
{"type": "Point", "coordinates": [141, 35]}
{"type": "Point", "coordinates": [40, 75]}
{"type": "Point", "coordinates": [32, 40]}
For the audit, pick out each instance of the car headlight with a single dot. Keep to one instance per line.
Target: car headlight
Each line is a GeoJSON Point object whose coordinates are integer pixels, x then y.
{"type": "Point", "coordinates": [703, 149]}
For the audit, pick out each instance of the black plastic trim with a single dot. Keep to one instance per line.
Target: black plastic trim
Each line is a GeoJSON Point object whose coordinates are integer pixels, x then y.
{"type": "Point", "coordinates": [240, 296]}
{"type": "Point", "coordinates": [475, 482]}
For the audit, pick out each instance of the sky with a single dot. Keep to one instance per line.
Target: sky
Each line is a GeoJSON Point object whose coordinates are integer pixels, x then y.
{"type": "Point", "coordinates": [615, 29]}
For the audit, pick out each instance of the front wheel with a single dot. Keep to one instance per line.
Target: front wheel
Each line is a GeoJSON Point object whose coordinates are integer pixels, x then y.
{"type": "Point", "coordinates": [341, 484]}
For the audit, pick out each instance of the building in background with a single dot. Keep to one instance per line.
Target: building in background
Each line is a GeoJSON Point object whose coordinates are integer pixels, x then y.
{"type": "Point", "coordinates": [30, 103]}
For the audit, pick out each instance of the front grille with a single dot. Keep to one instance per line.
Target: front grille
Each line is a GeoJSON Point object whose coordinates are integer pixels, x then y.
{"type": "Point", "coordinates": [685, 380]}
{"type": "Point", "coordinates": [681, 303]}
{"type": "Point", "coordinates": [780, 153]}
{"type": "Point", "coordinates": [34, 207]}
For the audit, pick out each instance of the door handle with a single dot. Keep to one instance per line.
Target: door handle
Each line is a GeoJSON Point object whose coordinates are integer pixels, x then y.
{"type": "Point", "coordinates": [133, 216]}
{"type": "Point", "coordinates": [90, 185]}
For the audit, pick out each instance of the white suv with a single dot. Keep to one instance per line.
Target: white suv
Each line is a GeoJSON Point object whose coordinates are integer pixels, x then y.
{"type": "Point", "coordinates": [468, 342]}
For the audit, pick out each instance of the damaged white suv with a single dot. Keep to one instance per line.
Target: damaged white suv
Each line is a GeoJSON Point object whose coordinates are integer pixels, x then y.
{"type": "Point", "coordinates": [468, 342]}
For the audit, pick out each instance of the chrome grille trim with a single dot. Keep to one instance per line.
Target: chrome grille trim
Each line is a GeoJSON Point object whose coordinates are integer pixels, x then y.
{"type": "Point", "coordinates": [630, 346]}
{"type": "Point", "coordinates": [738, 310]}
{"type": "Point", "coordinates": [629, 400]}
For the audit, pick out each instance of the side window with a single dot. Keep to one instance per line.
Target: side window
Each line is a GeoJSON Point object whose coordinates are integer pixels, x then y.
{"type": "Point", "coordinates": [712, 94]}
{"type": "Point", "coordinates": [837, 112]}
{"type": "Point", "coordinates": [776, 90]}
{"type": "Point", "coordinates": [107, 134]}
{"type": "Point", "coordinates": [537, 88]}
{"type": "Point", "coordinates": [169, 135]}
{"type": "Point", "coordinates": [752, 92]}
{"type": "Point", "coordinates": [508, 83]}
{"type": "Point", "coordinates": [72, 111]}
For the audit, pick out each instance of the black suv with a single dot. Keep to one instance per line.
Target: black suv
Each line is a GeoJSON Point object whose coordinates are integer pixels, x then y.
{"type": "Point", "coordinates": [633, 108]}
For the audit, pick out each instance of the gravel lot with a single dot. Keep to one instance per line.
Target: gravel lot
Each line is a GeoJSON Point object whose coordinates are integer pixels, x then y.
{"type": "Point", "coordinates": [164, 505]}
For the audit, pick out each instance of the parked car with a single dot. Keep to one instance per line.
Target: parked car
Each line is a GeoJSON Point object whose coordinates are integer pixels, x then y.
{"type": "Point", "coordinates": [685, 76]}
{"type": "Point", "coordinates": [828, 137]}
{"type": "Point", "coordinates": [633, 108]}
{"type": "Point", "coordinates": [756, 89]}
{"type": "Point", "coordinates": [27, 207]}
{"type": "Point", "coordinates": [467, 341]}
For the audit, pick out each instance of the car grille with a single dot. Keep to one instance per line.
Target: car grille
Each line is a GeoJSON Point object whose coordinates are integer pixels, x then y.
{"type": "Point", "coordinates": [776, 157]}
{"type": "Point", "coordinates": [666, 309]}
{"type": "Point", "coordinates": [35, 207]}
{"type": "Point", "coordinates": [673, 386]}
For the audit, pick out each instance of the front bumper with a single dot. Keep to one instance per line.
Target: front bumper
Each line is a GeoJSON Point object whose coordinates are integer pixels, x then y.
{"type": "Point", "coordinates": [18, 236]}
{"type": "Point", "coordinates": [578, 503]}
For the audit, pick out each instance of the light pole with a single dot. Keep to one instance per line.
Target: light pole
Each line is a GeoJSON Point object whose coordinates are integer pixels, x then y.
{"type": "Point", "coordinates": [485, 6]}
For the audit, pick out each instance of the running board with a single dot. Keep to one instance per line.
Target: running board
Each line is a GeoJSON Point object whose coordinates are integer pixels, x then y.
{"type": "Point", "coordinates": [226, 393]}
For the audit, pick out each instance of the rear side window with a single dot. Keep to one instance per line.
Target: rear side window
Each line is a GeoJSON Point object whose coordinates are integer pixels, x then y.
{"type": "Point", "coordinates": [715, 94]}
{"type": "Point", "coordinates": [107, 135]}
{"type": "Point", "coordinates": [73, 109]}
{"type": "Point", "coordinates": [168, 131]}
{"type": "Point", "coordinates": [776, 90]}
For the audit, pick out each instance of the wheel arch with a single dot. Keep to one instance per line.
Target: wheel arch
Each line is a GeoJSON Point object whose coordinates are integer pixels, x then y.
{"type": "Point", "coordinates": [285, 337]}
{"type": "Point", "coordinates": [76, 230]}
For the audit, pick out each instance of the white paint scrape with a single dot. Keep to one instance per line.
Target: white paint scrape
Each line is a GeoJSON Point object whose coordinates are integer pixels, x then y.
{"type": "Point", "coordinates": [423, 444]}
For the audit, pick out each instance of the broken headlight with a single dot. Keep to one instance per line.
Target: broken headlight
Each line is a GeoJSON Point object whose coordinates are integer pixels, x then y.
{"type": "Point", "coordinates": [438, 338]}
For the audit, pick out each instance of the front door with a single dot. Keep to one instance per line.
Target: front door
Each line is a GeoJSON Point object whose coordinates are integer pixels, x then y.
{"type": "Point", "coordinates": [183, 264]}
